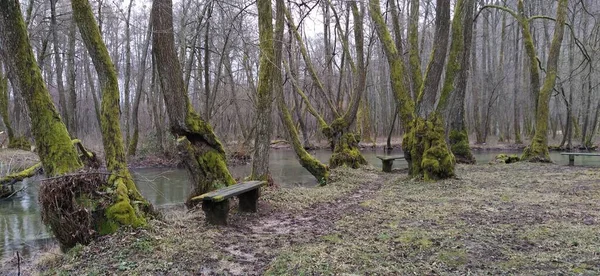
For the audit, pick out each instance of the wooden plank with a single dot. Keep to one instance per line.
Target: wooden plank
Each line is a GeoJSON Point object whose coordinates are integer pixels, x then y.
{"type": "Point", "coordinates": [580, 153]}
{"type": "Point", "coordinates": [231, 191]}
{"type": "Point", "coordinates": [390, 157]}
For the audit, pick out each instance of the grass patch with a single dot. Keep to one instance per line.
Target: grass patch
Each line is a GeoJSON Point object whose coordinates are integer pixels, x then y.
{"type": "Point", "coordinates": [522, 218]}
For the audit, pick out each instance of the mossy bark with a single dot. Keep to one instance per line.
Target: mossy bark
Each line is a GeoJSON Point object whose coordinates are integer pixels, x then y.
{"type": "Point", "coordinates": [264, 97]}
{"type": "Point", "coordinates": [54, 147]}
{"type": "Point", "coordinates": [424, 144]}
{"type": "Point", "coordinates": [19, 176]}
{"type": "Point", "coordinates": [319, 170]}
{"type": "Point", "coordinates": [343, 141]}
{"type": "Point", "coordinates": [426, 150]}
{"type": "Point", "coordinates": [537, 151]}
{"type": "Point", "coordinates": [128, 206]}
{"type": "Point", "coordinates": [200, 148]}
{"type": "Point", "coordinates": [455, 84]}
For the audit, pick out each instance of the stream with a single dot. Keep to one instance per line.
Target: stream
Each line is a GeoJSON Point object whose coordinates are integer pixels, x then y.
{"type": "Point", "coordinates": [21, 228]}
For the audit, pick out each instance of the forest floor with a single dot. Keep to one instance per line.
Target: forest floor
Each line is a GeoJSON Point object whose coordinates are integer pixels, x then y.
{"type": "Point", "coordinates": [518, 218]}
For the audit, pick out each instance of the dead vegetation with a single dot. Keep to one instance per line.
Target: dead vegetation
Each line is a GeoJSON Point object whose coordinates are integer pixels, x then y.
{"type": "Point", "coordinates": [74, 204]}
{"type": "Point", "coordinates": [518, 218]}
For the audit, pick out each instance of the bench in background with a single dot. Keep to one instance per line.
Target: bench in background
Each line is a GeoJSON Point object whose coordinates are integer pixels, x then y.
{"type": "Point", "coordinates": [388, 161]}
{"type": "Point", "coordinates": [573, 154]}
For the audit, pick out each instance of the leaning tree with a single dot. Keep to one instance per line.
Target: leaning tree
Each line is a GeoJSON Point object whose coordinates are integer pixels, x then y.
{"type": "Point", "coordinates": [76, 207]}
{"type": "Point", "coordinates": [202, 152]}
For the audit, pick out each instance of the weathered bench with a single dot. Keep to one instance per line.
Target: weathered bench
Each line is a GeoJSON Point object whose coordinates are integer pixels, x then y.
{"type": "Point", "coordinates": [388, 161]}
{"type": "Point", "coordinates": [215, 204]}
{"type": "Point", "coordinates": [573, 154]}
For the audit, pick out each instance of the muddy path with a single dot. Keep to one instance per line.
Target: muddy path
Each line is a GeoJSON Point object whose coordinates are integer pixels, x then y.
{"type": "Point", "coordinates": [253, 241]}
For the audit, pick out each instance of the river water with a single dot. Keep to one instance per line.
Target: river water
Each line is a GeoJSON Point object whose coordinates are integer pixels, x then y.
{"type": "Point", "coordinates": [22, 230]}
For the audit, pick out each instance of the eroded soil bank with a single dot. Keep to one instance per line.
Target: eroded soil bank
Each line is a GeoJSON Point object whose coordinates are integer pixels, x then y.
{"type": "Point", "coordinates": [495, 219]}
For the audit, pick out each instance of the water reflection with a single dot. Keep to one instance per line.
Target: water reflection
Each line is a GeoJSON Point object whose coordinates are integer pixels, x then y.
{"type": "Point", "coordinates": [21, 227]}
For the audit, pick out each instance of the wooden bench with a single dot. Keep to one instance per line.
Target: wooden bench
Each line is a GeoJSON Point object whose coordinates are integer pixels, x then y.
{"type": "Point", "coordinates": [215, 204]}
{"type": "Point", "coordinates": [388, 161]}
{"type": "Point", "coordinates": [573, 154]}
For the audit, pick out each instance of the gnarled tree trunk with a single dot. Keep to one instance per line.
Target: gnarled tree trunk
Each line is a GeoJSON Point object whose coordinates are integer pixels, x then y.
{"type": "Point", "coordinates": [264, 97]}
{"type": "Point", "coordinates": [128, 207]}
{"type": "Point", "coordinates": [200, 148]}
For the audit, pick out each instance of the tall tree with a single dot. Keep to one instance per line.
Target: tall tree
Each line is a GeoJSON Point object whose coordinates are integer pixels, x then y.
{"type": "Point", "coordinates": [424, 144]}
{"type": "Point", "coordinates": [264, 98]}
{"type": "Point", "coordinates": [537, 151]}
{"type": "Point", "coordinates": [456, 82]}
{"type": "Point", "coordinates": [200, 148]}
{"type": "Point", "coordinates": [129, 206]}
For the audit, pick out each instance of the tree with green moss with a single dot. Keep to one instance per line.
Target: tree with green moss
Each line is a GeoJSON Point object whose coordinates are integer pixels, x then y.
{"type": "Point", "coordinates": [460, 53]}
{"type": "Point", "coordinates": [319, 170]}
{"type": "Point", "coordinates": [264, 97]}
{"type": "Point", "coordinates": [201, 150]}
{"type": "Point", "coordinates": [339, 131]}
{"type": "Point", "coordinates": [56, 150]}
{"type": "Point", "coordinates": [129, 206]}
{"type": "Point", "coordinates": [537, 151]}
{"type": "Point", "coordinates": [54, 147]}
{"type": "Point", "coordinates": [424, 143]}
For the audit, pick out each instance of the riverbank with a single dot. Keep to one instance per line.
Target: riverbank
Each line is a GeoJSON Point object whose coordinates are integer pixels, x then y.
{"type": "Point", "coordinates": [519, 218]}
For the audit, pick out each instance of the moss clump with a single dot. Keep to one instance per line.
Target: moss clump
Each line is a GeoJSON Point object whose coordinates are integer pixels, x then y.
{"type": "Point", "coordinates": [207, 167]}
{"type": "Point", "coordinates": [346, 152]}
{"type": "Point", "coordinates": [506, 159]}
{"type": "Point", "coordinates": [459, 144]}
{"type": "Point", "coordinates": [429, 156]}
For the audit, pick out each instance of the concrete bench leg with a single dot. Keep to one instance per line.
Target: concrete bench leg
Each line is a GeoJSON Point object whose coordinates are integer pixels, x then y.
{"type": "Point", "coordinates": [216, 212]}
{"type": "Point", "coordinates": [571, 160]}
{"type": "Point", "coordinates": [249, 201]}
{"type": "Point", "coordinates": [387, 165]}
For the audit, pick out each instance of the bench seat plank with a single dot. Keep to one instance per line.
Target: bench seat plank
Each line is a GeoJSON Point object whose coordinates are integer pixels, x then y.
{"type": "Point", "coordinates": [580, 153]}
{"type": "Point", "coordinates": [390, 157]}
{"type": "Point", "coordinates": [231, 191]}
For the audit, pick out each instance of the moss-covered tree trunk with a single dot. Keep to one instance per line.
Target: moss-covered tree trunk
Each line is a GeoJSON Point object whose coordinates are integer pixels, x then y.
{"type": "Point", "coordinates": [538, 150]}
{"type": "Point", "coordinates": [345, 151]}
{"type": "Point", "coordinates": [128, 206]}
{"type": "Point", "coordinates": [54, 147]}
{"type": "Point", "coordinates": [424, 144]}
{"type": "Point", "coordinates": [456, 82]}
{"type": "Point", "coordinates": [202, 152]}
{"type": "Point", "coordinates": [339, 132]}
{"type": "Point", "coordinates": [264, 97]}
{"type": "Point", "coordinates": [319, 170]}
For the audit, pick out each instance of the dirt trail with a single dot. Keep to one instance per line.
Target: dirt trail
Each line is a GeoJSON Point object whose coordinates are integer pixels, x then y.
{"type": "Point", "coordinates": [253, 242]}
